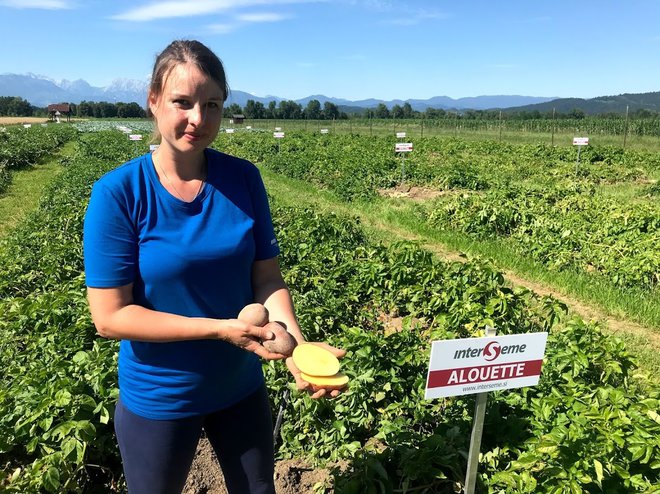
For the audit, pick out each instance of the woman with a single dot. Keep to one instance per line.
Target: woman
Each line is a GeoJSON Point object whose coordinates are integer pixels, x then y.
{"type": "Point", "coordinates": [176, 243]}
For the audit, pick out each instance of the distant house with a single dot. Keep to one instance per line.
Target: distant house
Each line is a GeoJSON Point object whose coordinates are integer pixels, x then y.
{"type": "Point", "coordinates": [58, 110]}
{"type": "Point", "coordinates": [237, 119]}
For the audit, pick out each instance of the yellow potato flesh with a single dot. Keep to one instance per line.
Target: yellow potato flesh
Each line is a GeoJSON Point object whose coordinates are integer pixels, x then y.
{"type": "Point", "coordinates": [315, 361]}
{"type": "Point", "coordinates": [337, 381]}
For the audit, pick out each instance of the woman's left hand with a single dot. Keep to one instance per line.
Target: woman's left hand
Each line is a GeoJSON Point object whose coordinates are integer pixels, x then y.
{"type": "Point", "coordinates": [315, 391]}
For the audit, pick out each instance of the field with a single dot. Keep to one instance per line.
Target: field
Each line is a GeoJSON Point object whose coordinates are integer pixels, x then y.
{"type": "Point", "coordinates": [383, 254]}
{"type": "Point", "coordinates": [22, 120]}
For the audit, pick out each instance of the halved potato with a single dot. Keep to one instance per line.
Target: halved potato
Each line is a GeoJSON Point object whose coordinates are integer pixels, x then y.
{"type": "Point", "coordinates": [315, 361]}
{"type": "Point", "coordinates": [338, 381]}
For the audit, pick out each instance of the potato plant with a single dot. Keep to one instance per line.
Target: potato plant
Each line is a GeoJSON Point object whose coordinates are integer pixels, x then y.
{"type": "Point", "coordinates": [531, 196]}
{"type": "Point", "coordinates": [21, 147]}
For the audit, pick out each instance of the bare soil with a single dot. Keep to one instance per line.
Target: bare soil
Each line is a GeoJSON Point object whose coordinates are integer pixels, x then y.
{"type": "Point", "coordinates": [412, 192]}
{"type": "Point", "coordinates": [291, 476]}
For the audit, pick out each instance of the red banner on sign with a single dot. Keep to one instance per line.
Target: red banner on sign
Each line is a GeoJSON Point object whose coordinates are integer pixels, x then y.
{"type": "Point", "coordinates": [484, 373]}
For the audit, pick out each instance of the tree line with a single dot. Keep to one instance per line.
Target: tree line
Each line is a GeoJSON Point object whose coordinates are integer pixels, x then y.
{"type": "Point", "coordinates": [313, 110]}
{"type": "Point", "coordinates": [14, 106]}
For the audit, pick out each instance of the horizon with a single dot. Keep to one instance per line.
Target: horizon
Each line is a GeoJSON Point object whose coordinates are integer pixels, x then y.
{"type": "Point", "coordinates": [383, 50]}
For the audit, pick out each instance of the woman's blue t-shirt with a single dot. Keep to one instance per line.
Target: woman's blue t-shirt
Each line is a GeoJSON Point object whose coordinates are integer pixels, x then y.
{"type": "Point", "coordinates": [193, 259]}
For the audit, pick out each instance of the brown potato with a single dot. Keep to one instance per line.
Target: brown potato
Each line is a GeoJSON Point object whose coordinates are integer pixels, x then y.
{"type": "Point", "coordinates": [255, 314]}
{"type": "Point", "coordinates": [283, 343]}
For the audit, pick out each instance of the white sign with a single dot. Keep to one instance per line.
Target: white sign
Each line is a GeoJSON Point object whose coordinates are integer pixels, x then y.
{"type": "Point", "coordinates": [580, 141]}
{"type": "Point", "coordinates": [324, 131]}
{"type": "Point", "coordinates": [278, 135]}
{"type": "Point", "coordinates": [401, 134]}
{"type": "Point", "coordinates": [135, 137]}
{"type": "Point", "coordinates": [278, 129]}
{"type": "Point", "coordinates": [27, 126]}
{"type": "Point", "coordinates": [478, 365]}
{"type": "Point", "coordinates": [229, 131]}
{"type": "Point", "coordinates": [153, 147]}
{"type": "Point", "coordinates": [403, 147]}
{"type": "Point", "coordinates": [249, 127]}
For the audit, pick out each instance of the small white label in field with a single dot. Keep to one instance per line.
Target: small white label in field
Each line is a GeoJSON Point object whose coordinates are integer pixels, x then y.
{"type": "Point", "coordinates": [249, 127]}
{"type": "Point", "coordinates": [278, 135]}
{"type": "Point", "coordinates": [403, 147]}
{"type": "Point", "coordinates": [324, 131]}
{"type": "Point", "coordinates": [229, 131]}
{"type": "Point", "coordinates": [135, 137]}
{"type": "Point", "coordinates": [27, 126]}
{"type": "Point", "coordinates": [44, 125]}
{"type": "Point", "coordinates": [153, 147]}
{"type": "Point", "coordinates": [278, 129]}
{"type": "Point", "coordinates": [580, 141]}
{"type": "Point", "coordinates": [400, 134]}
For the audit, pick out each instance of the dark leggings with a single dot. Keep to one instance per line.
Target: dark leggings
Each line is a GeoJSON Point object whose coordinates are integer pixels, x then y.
{"type": "Point", "coordinates": [157, 454]}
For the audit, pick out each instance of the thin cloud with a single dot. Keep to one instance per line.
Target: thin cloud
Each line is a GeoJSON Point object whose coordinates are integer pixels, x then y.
{"type": "Point", "coordinates": [187, 8]}
{"type": "Point", "coordinates": [37, 4]}
{"type": "Point", "coordinates": [262, 17]}
{"type": "Point", "coordinates": [409, 17]}
{"type": "Point", "coordinates": [221, 28]}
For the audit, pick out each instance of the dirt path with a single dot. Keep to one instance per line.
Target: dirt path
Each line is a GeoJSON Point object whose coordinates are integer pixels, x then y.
{"type": "Point", "coordinates": [585, 311]}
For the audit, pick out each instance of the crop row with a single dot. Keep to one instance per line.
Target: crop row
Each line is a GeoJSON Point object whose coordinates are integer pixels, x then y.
{"type": "Point", "coordinates": [591, 424]}
{"type": "Point", "coordinates": [538, 198]}
{"type": "Point", "coordinates": [21, 146]}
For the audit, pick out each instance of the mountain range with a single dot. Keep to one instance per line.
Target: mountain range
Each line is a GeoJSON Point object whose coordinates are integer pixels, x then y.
{"type": "Point", "coordinates": [41, 91]}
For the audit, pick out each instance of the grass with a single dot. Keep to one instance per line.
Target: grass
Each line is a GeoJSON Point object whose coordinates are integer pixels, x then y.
{"type": "Point", "coordinates": [388, 219]}
{"type": "Point", "coordinates": [26, 188]}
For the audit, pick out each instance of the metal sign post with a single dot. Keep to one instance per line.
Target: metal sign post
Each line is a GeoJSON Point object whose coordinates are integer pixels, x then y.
{"type": "Point", "coordinates": [579, 142]}
{"type": "Point", "coordinates": [402, 148]}
{"type": "Point", "coordinates": [278, 135]}
{"type": "Point", "coordinates": [135, 138]}
{"type": "Point", "coordinates": [477, 432]}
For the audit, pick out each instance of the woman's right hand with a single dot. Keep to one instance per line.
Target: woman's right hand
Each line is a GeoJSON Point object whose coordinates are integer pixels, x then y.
{"type": "Point", "coordinates": [249, 338]}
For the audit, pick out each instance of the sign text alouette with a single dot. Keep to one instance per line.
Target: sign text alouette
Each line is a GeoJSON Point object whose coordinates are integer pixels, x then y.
{"type": "Point", "coordinates": [474, 365]}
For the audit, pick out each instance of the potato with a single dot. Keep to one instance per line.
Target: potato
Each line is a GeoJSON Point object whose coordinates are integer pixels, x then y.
{"type": "Point", "coordinates": [338, 381]}
{"type": "Point", "coordinates": [315, 361]}
{"type": "Point", "coordinates": [283, 343]}
{"type": "Point", "coordinates": [255, 314]}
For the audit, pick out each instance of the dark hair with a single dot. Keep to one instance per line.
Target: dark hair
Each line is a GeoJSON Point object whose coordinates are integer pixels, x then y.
{"type": "Point", "coordinates": [182, 52]}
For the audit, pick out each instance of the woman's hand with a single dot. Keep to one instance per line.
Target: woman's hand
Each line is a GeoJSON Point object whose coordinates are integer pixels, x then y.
{"type": "Point", "coordinates": [315, 391]}
{"type": "Point", "coordinates": [249, 338]}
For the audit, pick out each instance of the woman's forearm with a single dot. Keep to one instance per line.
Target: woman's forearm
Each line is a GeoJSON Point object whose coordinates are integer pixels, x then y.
{"type": "Point", "coordinates": [134, 322]}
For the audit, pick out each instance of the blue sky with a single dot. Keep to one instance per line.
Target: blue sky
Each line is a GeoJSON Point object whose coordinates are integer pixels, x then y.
{"type": "Point", "coordinates": [352, 49]}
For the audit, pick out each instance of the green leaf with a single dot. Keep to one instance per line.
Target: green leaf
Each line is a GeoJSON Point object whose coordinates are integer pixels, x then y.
{"type": "Point", "coordinates": [598, 466]}
{"type": "Point", "coordinates": [525, 460]}
{"type": "Point", "coordinates": [51, 479]}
